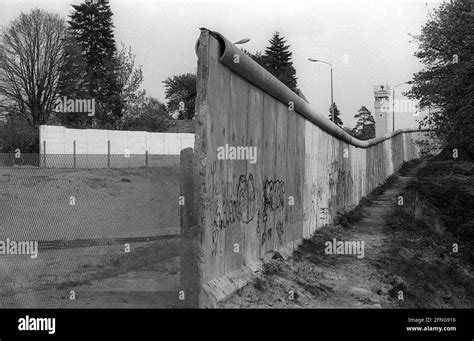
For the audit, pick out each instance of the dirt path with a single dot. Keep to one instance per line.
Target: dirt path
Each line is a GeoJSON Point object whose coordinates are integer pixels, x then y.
{"type": "Point", "coordinates": [313, 279]}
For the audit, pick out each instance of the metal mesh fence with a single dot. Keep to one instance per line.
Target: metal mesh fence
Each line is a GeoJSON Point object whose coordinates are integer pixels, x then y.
{"type": "Point", "coordinates": [96, 231]}
{"type": "Point", "coordinates": [88, 160]}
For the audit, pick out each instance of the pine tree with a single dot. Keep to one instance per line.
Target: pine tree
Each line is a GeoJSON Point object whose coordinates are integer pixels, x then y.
{"type": "Point", "coordinates": [277, 60]}
{"type": "Point", "coordinates": [365, 126]}
{"type": "Point", "coordinates": [72, 84]}
{"type": "Point", "coordinates": [337, 119]}
{"type": "Point", "coordinates": [91, 28]}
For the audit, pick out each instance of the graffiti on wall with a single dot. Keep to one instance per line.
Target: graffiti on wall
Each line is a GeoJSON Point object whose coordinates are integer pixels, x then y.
{"type": "Point", "coordinates": [340, 181]}
{"type": "Point", "coordinates": [273, 196]}
{"type": "Point", "coordinates": [229, 202]}
{"type": "Point", "coordinates": [272, 216]}
{"type": "Point", "coordinates": [237, 201]}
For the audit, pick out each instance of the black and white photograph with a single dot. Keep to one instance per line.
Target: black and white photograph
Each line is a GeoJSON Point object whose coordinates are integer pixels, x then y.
{"type": "Point", "coordinates": [237, 156]}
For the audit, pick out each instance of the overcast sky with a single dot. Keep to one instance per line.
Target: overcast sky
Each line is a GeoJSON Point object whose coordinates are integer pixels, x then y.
{"type": "Point", "coordinates": [366, 41]}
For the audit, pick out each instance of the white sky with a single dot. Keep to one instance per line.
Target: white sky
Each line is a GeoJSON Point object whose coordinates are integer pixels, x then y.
{"type": "Point", "coordinates": [373, 35]}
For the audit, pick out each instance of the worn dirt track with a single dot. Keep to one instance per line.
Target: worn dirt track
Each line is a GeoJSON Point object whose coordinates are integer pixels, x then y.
{"type": "Point", "coordinates": [316, 280]}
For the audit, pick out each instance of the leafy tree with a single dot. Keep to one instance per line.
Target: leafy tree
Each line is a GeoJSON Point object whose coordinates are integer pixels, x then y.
{"type": "Point", "coordinates": [277, 60]}
{"type": "Point", "coordinates": [337, 119]}
{"type": "Point", "coordinates": [91, 28]}
{"type": "Point", "coordinates": [365, 126]}
{"type": "Point", "coordinates": [17, 133]}
{"type": "Point", "coordinates": [151, 116]}
{"type": "Point", "coordinates": [31, 56]}
{"type": "Point", "coordinates": [180, 91]}
{"type": "Point", "coordinates": [445, 86]}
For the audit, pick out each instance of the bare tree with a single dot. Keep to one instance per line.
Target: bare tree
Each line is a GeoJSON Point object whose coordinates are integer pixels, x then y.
{"type": "Point", "coordinates": [130, 78]}
{"type": "Point", "coordinates": [31, 55]}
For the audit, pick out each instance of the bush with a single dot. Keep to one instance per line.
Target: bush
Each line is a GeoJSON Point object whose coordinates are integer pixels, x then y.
{"type": "Point", "coordinates": [18, 135]}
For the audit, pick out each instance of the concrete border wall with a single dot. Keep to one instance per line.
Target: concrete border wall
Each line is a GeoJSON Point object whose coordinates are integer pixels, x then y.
{"type": "Point", "coordinates": [307, 169]}
{"type": "Point", "coordinates": [97, 148]}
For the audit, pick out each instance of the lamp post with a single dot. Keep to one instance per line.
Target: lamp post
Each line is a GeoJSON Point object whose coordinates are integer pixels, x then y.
{"type": "Point", "coordinates": [393, 103]}
{"type": "Point", "coordinates": [242, 41]}
{"type": "Point", "coordinates": [332, 94]}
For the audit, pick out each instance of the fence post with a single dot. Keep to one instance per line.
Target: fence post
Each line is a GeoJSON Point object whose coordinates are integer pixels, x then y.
{"type": "Point", "coordinates": [108, 154]}
{"type": "Point", "coordinates": [146, 162]}
{"type": "Point", "coordinates": [74, 153]}
{"type": "Point", "coordinates": [44, 153]}
{"type": "Point", "coordinates": [189, 280]}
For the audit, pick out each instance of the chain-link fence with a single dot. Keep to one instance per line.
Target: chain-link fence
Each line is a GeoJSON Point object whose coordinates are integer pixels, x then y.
{"type": "Point", "coordinates": [95, 230]}
{"type": "Point", "coordinates": [86, 161]}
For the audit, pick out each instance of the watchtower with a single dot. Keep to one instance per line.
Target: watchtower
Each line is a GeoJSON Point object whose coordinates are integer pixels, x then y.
{"type": "Point", "coordinates": [382, 109]}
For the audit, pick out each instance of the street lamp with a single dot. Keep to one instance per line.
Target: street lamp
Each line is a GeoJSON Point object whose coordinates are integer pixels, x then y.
{"type": "Point", "coordinates": [393, 103]}
{"type": "Point", "coordinates": [332, 94]}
